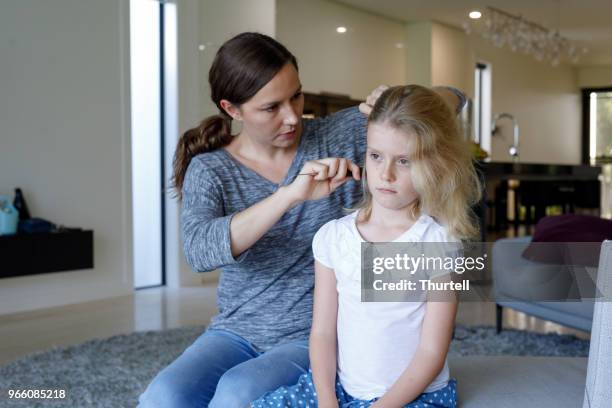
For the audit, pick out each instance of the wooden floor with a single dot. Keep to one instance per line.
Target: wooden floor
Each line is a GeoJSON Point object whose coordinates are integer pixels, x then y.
{"type": "Point", "coordinates": [162, 308]}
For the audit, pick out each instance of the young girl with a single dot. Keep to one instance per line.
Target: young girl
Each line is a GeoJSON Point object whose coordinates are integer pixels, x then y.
{"type": "Point", "coordinates": [419, 184]}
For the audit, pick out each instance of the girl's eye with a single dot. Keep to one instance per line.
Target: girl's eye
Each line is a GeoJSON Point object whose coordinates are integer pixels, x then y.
{"type": "Point", "coordinates": [374, 156]}
{"type": "Point", "coordinates": [296, 96]}
{"type": "Point", "coordinates": [404, 162]}
{"type": "Point", "coordinates": [270, 109]}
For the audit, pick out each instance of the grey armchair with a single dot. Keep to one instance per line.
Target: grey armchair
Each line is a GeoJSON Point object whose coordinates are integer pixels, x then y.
{"type": "Point", "coordinates": [516, 281]}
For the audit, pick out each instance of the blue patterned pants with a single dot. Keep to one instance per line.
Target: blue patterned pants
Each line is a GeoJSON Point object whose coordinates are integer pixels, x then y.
{"type": "Point", "coordinates": [303, 395]}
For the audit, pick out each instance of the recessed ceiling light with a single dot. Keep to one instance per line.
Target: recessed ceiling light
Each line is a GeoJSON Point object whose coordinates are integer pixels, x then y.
{"type": "Point", "coordinates": [475, 14]}
{"type": "Point", "coordinates": [341, 30]}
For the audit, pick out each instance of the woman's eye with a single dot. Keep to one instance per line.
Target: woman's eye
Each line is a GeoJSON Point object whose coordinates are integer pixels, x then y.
{"type": "Point", "coordinates": [270, 109]}
{"type": "Point", "coordinates": [374, 156]}
{"type": "Point", "coordinates": [297, 96]}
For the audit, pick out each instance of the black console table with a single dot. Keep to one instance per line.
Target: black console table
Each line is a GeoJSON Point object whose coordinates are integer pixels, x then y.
{"type": "Point", "coordinates": [29, 254]}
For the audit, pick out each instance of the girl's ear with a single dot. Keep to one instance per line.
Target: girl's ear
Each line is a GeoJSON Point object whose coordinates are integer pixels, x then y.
{"type": "Point", "coordinates": [231, 110]}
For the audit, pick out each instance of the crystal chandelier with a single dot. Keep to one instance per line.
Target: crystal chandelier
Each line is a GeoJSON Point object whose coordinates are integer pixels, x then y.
{"type": "Point", "coordinates": [528, 37]}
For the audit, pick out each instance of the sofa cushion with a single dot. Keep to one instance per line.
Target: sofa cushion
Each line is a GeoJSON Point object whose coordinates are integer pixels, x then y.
{"type": "Point", "coordinates": [550, 242]}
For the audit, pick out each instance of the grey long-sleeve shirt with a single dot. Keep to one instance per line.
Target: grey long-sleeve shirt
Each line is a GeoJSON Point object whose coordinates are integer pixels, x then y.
{"type": "Point", "coordinates": [265, 295]}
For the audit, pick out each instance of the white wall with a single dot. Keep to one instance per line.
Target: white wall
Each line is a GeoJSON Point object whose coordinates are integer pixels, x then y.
{"type": "Point", "coordinates": [418, 53]}
{"type": "Point", "coordinates": [450, 62]}
{"type": "Point", "coordinates": [65, 138]}
{"type": "Point", "coordinates": [353, 63]}
{"type": "Point", "coordinates": [221, 20]}
{"type": "Point", "coordinates": [595, 76]}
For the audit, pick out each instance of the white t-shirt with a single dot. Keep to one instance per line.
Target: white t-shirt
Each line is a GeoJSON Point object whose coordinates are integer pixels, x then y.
{"type": "Point", "coordinates": [376, 340]}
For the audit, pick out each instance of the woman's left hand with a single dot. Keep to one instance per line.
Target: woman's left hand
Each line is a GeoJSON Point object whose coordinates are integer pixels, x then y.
{"type": "Point", "coordinates": [366, 107]}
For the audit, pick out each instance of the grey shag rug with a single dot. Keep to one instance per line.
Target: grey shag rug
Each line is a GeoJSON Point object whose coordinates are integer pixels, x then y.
{"type": "Point", "coordinates": [113, 372]}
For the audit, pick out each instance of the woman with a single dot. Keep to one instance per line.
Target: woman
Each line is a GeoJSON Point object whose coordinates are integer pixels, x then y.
{"type": "Point", "coordinates": [251, 204]}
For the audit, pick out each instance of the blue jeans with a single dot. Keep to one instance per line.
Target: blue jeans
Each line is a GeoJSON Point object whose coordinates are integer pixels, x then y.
{"type": "Point", "coordinates": [223, 370]}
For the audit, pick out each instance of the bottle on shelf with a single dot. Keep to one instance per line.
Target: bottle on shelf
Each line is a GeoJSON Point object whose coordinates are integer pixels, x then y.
{"type": "Point", "coordinates": [20, 204]}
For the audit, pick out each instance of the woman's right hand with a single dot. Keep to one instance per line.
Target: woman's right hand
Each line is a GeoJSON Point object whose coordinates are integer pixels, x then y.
{"type": "Point", "coordinates": [320, 178]}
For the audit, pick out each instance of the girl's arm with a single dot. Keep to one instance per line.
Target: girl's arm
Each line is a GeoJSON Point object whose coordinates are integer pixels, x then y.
{"type": "Point", "coordinates": [430, 355]}
{"type": "Point", "coordinates": [323, 336]}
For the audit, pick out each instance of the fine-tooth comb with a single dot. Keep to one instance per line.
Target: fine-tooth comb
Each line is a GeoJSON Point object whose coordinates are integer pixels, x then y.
{"type": "Point", "coordinates": [349, 173]}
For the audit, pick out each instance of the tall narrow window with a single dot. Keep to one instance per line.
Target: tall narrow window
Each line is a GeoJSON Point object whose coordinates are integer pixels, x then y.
{"type": "Point", "coordinates": [482, 105]}
{"type": "Point", "coordinates": [146, 48]}
{"type": "Point", "coordinates": [597, 126]}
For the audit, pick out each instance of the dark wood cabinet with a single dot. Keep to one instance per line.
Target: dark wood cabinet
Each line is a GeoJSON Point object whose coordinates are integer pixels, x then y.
{"type": "Point", "coordinates": [29, 254]}
{"type": "Point", "coordinates": [323, 104]}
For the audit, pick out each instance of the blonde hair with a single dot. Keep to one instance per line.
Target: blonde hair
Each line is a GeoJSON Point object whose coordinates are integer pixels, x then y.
{"type": "Point", "coordinates": [442, 167]}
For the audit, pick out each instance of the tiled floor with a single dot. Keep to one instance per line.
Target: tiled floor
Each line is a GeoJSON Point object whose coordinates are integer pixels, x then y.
{"type": "Point", "coordinates": [160, 308]}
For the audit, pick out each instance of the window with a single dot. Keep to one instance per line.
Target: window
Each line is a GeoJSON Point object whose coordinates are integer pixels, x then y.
{"type": "Point", "coordinates": [154, 110]}
{"type": "Point", "coordinates": [597, 126]}
{"type": "Point", "coordinates": [482, 105]}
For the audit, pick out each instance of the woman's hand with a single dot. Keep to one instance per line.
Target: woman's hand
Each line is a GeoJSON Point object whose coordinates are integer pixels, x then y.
{"type": "Point", "coordinates": [366, 107]}
{"type": "Point", "coordinates": [320, 178]}
{"type": "Point", "coordinates": [451, 97]}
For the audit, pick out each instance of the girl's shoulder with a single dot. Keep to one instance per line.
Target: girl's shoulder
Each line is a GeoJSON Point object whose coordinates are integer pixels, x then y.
{"type": "Point", "coordinates": [339, 228]}
{"type": "Point", "coordinates": [332, 240]}
{"type": "Point", "coordinates": [437, 240]}
{"type": "Point", "coordinates": [434, 231]}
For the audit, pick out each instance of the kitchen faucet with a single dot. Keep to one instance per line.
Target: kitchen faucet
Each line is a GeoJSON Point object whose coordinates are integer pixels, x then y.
{"type": "Point", "coordinates": [514, 149]}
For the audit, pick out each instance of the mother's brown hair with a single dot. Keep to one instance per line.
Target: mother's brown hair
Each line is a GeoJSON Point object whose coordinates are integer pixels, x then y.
{"type": "Point", "coordinates": [242, 66]}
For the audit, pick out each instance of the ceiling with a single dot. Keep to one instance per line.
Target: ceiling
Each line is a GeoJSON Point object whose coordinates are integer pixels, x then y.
{"type": "Point", "coordinates": [587, 22]}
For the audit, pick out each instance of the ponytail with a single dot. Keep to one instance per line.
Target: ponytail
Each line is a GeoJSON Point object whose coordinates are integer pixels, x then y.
{"type": "Point", "coordinates": [212, 133]}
